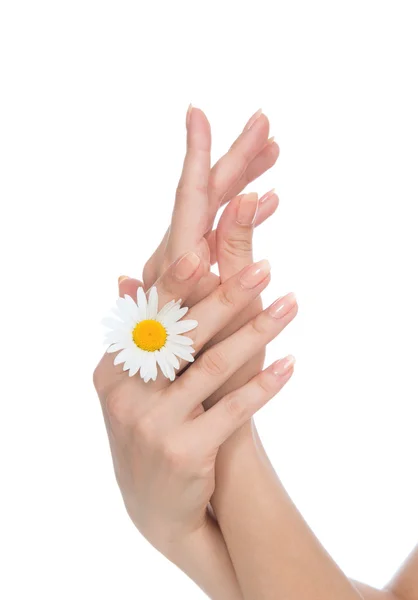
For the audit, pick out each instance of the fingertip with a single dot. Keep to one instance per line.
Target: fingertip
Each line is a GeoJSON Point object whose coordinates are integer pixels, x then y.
{"type": "Point", "coordinates": [247, 209]}
{"type": "Point", "coordinates": [128, 286]}
{"type": "Point", "coordinates": [186, 266]}
{"type": "Point", "coordinates": [198, 126]}
{"type": "Point", "coordinates": [267, 208]}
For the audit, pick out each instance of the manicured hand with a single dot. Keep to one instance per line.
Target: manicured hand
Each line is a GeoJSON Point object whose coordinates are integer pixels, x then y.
{"type": "Point", "coordinates": [163, 444]}
{"type": "Point", "coordinates": [201, 191]}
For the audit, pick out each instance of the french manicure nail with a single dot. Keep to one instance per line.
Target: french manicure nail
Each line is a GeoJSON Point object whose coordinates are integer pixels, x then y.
{"type": "Point", "coordinates": [186, 266]}
{"type": "Point", "coordinates": [283, 366]}
{"type": "Point", "coordinates": [255, 274]}
{"type": "Point", "coordinates": [188, 115]}
{"type": "Point", "coordinates": [282, 306]}
{"type": "Point", "coordinates": [253, 119]}
{"type": "Point", "coordinates": [267, 195]}
{"type": "Point", "coordinates": [122, 278]}
{"type": "Point", "coordinates": [247, 209]}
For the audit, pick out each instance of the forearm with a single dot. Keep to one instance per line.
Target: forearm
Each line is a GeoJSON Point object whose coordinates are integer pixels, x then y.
{"type": "Point", "coordinates": [205, 559]}
{"type": "Point", "coordinates": [405, 583]}
{"type": "Point", "coordinates": [275, 554]}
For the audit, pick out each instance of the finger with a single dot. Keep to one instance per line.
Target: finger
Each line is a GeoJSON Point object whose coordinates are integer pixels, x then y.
{"type": "Point", "coordinates": [216, 425]}
{"type": "Point", "coordinates": [234, 235]}
{"type": "Point", "coordinates": [128, 286]}
{"type": "Point", "coordinates": [215, 366]}
{"type": "Point", "coordinates": [190, 216]}
{"type": "Point", "coordinates": [267, 206]}
{"type": "Point", "coordinates": [180, 278]}
{"type": "Point", "coordinates": [177, 282]}
{"type": "Point", "coordinates": [166, 295]}
{"type": "Point", "coordinates": [259, 165]}
{"type": "Point", "coordinates": [215, 312]}
{"type": "Point", "coordinates": [152, 267]}
{"type": "Point", "coordinates": [230, 168]}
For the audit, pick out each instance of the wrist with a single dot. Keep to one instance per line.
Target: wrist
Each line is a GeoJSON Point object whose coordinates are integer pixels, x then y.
{"type": "Point", "coordinates": [203, 556]}
{"type": "Point", "coordinates": [237, 464]}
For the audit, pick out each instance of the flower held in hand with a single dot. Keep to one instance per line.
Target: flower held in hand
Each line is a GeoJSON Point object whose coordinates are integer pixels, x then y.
{"type": "Point", "coordinates": [146, 337]}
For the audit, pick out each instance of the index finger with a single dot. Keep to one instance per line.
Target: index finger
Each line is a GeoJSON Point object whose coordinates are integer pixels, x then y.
{"type": "Point", "coordinates": [190, 216]}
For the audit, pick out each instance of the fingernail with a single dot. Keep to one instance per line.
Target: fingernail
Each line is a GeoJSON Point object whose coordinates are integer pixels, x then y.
{"type": "Point", "coordinates": [186, 266]}
{"type": "Point", "coordinates": [122, 278]}
{"type": "Point", "coordinates": [247, 209]}
{"type": "Point", "coordinates": [188, 115]}
{"type": "Point", "coordinates": [255, 274]}
{"type": "Point", "coordinates": [270, 140]}
{"type": "Point", "coordinates": [282, 306]}
{"type": "Point", "coordinates": [267, 195]}
{"type": "Point", "coordinates": [283, 366]}
{"type": "Point", "coordinates": [253, 119]}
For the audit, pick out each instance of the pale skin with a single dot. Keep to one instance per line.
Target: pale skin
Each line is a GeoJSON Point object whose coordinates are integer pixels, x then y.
{"type": "Point", "coordinates": [171, 443]}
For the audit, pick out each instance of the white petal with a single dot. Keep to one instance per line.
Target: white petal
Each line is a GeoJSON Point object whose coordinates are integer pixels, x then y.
{"type": "Point", "coordinates": [132, 308]}
{"type": "Point", "coordinates": [119, 335]}
{"type": "Point", "coordinates": [180, 339]}
{"type": "Point", "coordinates": [122, 310]}
{"type": "Point", "coordinates": [142, 304]}
{"type": "Point", "coordinates": [174, 315]}
{"type": "Point", "coordinates": [134, 368]}
{"type": "Point", "coordinates": [117, 312]}
{"type": "Point", "coordinates": [170, 358]}
{"type": "Point", "coordinates": [164, 366]}
{"type": "Point", "coordinates": [169, 370]}
{"type": "Point", "coordinates": [116, 347]}
{"type": "Point", "coordinates": [182, 326]}
{"type": "Point", "coordinates": [165, 309]}
{"type": "Point", "coordinates": [112, 323]}
{"type": "Point", "coordinates": [152, 309]}
{"type": "Point", "coordinates": [145, 364]}
{"type": "Point", "coordinates": [123, 356]}
{"type": "Point", "coordinates": [135, 361]}
{"type": "Point", "coordinates": [180, 351]}
{"type": "Point", "coordinates": [153, 368]}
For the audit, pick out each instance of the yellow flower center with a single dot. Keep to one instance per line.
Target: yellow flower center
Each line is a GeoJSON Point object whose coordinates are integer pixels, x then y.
{"type": "Point", "coordinates": [149, 335]}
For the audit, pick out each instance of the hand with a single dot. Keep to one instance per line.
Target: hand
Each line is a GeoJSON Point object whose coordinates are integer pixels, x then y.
{"type": "Point", "coordinates": [201, 190]}
{"type": "Point", "coordinates": [163, 444]}
{"type": "Point", "coordinates": [200, 193]}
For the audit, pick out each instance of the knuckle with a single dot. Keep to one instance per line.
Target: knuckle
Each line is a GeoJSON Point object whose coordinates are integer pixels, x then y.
{"type": "Point", "coordinates": [118, 406]}
{"type": "Point", "coordinates": [237, 246]}
{"type": "Point", "coordinates": [145, 428]}
{"type": "Point", "coordinates": [266, 385]}
{"type": "Point", "coordinates": [225, 296]}
{"type": "Point", "coordinates": [213, 362]}
{"type": "Point", "coordinates": [175, 455]}
{"type": "Point", "coordinates": [186, 188]}
{"type": "Point", "coordinates": [259, 326]}
{"type": "Point", "coordinates": [215, 187]}
{"type": "Point", "coordinates": [245, 155]}
{"type": "Point", "coordinates": [235, 407]}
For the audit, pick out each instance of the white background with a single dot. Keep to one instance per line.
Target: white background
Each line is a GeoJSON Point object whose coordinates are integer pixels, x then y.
{"type": "Point", "coordinates": [92, 109]}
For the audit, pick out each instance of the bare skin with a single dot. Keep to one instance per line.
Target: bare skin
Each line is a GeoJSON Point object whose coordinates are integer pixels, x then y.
{"type": "Point", "coordinates": [252, 508]}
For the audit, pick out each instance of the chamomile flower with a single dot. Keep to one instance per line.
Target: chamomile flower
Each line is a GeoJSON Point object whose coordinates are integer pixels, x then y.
{"type": "Point", "coordinates": [145, 337]}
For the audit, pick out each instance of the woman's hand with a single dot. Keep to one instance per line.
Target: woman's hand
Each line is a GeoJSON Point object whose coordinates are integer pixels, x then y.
{"type": "Point", "coordinates": [163, 444]}
{"type": "Point", "coordinates": [201, 191]}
